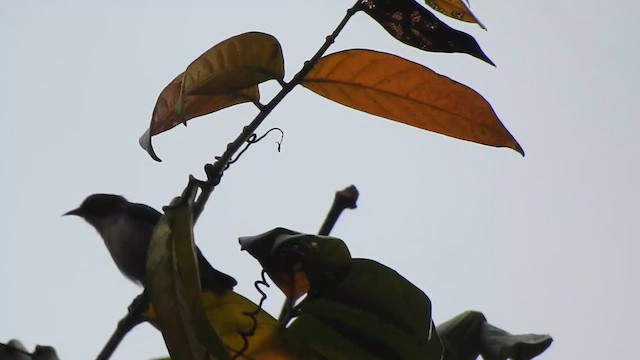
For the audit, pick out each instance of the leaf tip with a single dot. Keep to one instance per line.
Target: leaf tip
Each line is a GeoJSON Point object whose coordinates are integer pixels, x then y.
{"type": "Point", "coordinates": [486, 59]}
{"type": "Point", "coordinates": [145, 143]}
{"type": "Point", "coordinates": [519, 149]}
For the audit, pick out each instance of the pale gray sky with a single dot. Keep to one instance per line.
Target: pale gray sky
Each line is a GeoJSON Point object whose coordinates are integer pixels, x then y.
{"type": "Point", "coordinates": [545, 243]}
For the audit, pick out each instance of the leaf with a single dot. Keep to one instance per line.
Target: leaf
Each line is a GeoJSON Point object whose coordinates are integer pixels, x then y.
{"type": "Point", "coordinates": [225, 75]}
{"type": "Point", "coordinates": [500, 345]}
{"type": "Point", "coordinates": [295, 261]}
{"type": "Point", "coordinates": [414, 25]}
{"type": "Point", "coordinates": [456, 9]}
{"type": "Point", "coordinates": [188, 273]}
{"type": "Point", "coordinates": [172, 314]}
{"type": "Point", "coordinates": [164, 116]}
{"type": "Point", "coordinates": [373, 313]}
{"type": "Point", "coordinates": [174, 289]}
{"type": "Point", "coordinates": [193, 321]}
{"type": "Point", "coordinates": [227, 314]}
{"type": "Point", "coordinates": [239, 62]}
{"type": "Point", "coordinates": [397, 89]}
{"type": "Point", "coordinates": [468, 335]}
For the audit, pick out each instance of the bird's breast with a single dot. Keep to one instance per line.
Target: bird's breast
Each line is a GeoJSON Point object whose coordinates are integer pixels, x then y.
{"type": "Point", "coordinates": [127, 243]}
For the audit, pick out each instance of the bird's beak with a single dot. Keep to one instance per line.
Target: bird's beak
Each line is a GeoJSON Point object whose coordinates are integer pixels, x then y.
{"type": "Point", "coordinates": [76, 212]}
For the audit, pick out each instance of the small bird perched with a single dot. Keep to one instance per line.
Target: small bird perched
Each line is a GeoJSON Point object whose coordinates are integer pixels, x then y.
{"type": "Point", "coordinates": [126, 229]}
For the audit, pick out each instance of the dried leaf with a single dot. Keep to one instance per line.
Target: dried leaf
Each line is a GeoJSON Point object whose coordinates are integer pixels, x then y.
{"type": "Point", "coordinates": [414, 25]}
{"type": "Point", "coordinates": [225, 75]}
{"type": "Point", "coordinates": [456, 9]}
{"type": "Point", "coordinates": [236, 63]}
{"type": "Point", "coordinates": [397, 89]}
{"type": "Point", "coordinates": [165, 117]}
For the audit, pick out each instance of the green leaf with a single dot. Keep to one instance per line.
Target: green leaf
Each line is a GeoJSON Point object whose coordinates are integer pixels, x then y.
{"type": "Point", "coordinates": [469, 334]}
{"type": "Point", "coordinates": [501, 345]}
{"type": "Point", "coordinates": [373, 310]}
{"type": "Point", "coordinates": [174, 289]}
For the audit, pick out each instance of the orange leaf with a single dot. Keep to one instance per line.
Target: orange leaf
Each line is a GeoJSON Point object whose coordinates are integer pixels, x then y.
{"type": "Point", "coordinates": [165, 117]}
{"type": "Point", "coordinates": [397, 89]}
{"type": "Point", "coordinates": [456, 9]}
{"type": "Point", "coordinates": [293, 284]}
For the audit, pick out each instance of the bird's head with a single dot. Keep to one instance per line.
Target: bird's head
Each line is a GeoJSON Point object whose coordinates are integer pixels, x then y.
{"type": "Point", "coordinates": [99, 206]}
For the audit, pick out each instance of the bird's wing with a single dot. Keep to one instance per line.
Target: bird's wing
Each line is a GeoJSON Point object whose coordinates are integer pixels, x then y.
{"type": "Point", "coordinates": [213, 279]}
{"type": "Point", "coordinates": [210, 278]}
{"type": "Point", "coordinates": [144, 213]}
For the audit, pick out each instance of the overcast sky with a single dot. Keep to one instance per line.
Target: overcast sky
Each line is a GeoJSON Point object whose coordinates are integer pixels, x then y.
{"type": "Point", "coordinates": [545, 244]}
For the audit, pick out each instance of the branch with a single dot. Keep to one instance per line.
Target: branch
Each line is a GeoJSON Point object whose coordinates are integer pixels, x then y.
{"type": "Point", "coordinates": [214, 175]}
{"type": "Point", "coordinates": [344, 199]}
{"type": "Point", "coordinates": [216, 170]}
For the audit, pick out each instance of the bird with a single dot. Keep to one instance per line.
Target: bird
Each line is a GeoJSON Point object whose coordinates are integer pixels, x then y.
{"type": "Point", "coordinates": [126, 229]}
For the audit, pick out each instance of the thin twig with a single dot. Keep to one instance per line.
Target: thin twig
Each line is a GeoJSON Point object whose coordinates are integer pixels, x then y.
{"type": "Point", "coordinates": [215, 171]}
{"type": "Point", "coordinates": [346, 198]}
{"type": "Point", "coordinates": [214, 176]}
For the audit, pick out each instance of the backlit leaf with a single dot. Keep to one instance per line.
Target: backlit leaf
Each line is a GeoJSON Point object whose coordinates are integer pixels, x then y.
{"type": "Point", "coordinates": [188, 274]}
{"type": "Point", "coordinates": [165, 117]}
{"type": "Point", "coordinates": [227, 313]}
{"type": "Point", "coordinates": [216, 318]}
{"type": "Point", "coordinates": [397, 89]}
{"type": "Point", "coordinates": [239, 62]}
{"type": "Point", "coordinates": [166, 291]}
{"type": "Point", "coordinates": [456, 9]}
{"type": "Point", "coordinates": [414, 25]}
{"type": "Point", "coordinates": [373, 313]}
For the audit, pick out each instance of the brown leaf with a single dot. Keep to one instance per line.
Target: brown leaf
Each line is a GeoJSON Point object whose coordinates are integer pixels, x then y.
{"type": "Point", "coordinates": [397, 89]}
{"type": "Point", "coordinates": [456, 9]}
{"type": "Point", "coordinates": [294, 283]}
{"type": "Point", "coordinates": [165, 117]}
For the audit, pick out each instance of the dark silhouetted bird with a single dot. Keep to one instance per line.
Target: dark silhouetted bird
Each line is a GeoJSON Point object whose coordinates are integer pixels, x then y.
{"type": "Point", "coordinates": [126, 229]}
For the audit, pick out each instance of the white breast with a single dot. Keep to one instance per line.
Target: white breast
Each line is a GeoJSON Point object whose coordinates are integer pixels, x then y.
{"type": "Point", "coordinates": [127, 242]}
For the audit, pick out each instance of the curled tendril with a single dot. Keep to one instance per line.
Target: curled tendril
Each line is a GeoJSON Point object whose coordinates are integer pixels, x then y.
{"type": "Point", "coordinates": [252, 315]}
{"type": "Point", "coordinates": [252, 140]}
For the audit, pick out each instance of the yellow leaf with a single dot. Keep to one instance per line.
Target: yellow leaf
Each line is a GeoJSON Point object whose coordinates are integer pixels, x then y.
{"type": "Point", "coordinates": [456, 9]}
{"type": "Point", "coordinates": [173, 315]}
{"type": "Point", "coordinates": [226, 312]}
{"type": "Point", "coordinates": [239, 62]}
{"type": "Point", "coordinates": [165, 117]}
{"type": "Point", "coordinates": [188, 274]}
{"type": "Point", "coordinates": [212, 324]}
{"type": "Point", "coordinates": [397, 89]}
